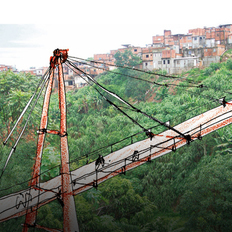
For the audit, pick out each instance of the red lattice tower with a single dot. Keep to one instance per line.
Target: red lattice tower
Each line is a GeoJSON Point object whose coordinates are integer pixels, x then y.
{"type": "Point", "coordinates": [66, 195]}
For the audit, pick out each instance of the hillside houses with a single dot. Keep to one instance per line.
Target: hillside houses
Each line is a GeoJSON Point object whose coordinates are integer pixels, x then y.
{"type": "Point", "coordinates": [172, 53]}
{"type": "Point", "coordinates": [181, 52]}
{"type": "Point", "coordinates": [6, 68]}
{"type": "Point", "coordinates": [35, 71]}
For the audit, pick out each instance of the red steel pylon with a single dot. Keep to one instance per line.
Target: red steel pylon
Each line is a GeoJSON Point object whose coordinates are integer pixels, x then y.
{"type": "Point", "coordinates": [69, 212]}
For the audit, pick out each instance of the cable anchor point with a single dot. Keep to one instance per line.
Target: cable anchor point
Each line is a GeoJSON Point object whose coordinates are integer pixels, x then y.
{"type": "Point", "coordinates": [188, 139]}
{"type": "Point", "coordinates": [222, 101]}
{"type": "Point", "coordinates": [199, 135]}
{"type": "Point", "coordinates": [174, 145]}
{"type": "Point", "coordinates": [149, 134]}
{"type": "Point", "coordinates": [95, 184]}
{"type": "Point", "coordinates": [99, 161]}
{"type": "Point", "coordinates": [135, 156]}
{"type": "Point", "coordinates": [58, 53]}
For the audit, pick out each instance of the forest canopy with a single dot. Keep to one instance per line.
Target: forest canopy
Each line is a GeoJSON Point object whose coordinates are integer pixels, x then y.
{"type": "Point", "coordinates": [189, 190]}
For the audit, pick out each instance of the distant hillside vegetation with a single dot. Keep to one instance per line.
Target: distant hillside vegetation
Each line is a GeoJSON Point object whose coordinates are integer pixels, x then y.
{"type": "Point", "coordinates": [186, 190]}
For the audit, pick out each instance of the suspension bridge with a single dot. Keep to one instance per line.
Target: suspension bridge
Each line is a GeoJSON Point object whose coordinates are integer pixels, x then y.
{"type": "Point", "coordinates": [70, 183]}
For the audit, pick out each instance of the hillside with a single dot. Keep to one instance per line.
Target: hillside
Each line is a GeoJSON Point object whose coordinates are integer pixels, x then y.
{"type": "Point", "coordinates": [226, 55]}
{"type": "Point", "coordinates": [189, 190]}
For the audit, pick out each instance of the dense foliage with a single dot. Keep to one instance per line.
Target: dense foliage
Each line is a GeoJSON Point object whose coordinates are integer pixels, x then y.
{"type": "Point", "coordinates": [189, 190]}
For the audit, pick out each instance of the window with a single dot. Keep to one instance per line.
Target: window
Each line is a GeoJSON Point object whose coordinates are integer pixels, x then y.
{"type": "Point", "coordinates": [146, 64]}
{"type": "Point", "coordinates": [147, 56]}
{"type": "Point", "coordinates": [135, 50]}
{"type": "Point", "coordinates": [164, 62]}
{"type": "Point", "coordinates": [168, 61]}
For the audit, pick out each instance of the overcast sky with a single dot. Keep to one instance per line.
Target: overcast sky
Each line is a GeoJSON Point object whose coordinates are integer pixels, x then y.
{"type": "Point", "coordinates": [31, 30]}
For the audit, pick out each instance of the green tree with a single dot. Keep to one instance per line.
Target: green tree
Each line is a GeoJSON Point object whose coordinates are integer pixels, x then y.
{"type": "Point", "coordinates": [126, 58]}
{"type": "Point", "coordinates": [207, 201]}
{"type": "Point", "coordinates": [136, 89]}
{"type": "Point", "coordinates": [15, 91]}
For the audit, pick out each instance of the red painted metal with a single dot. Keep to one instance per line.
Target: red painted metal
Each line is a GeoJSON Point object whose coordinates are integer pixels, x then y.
{"type": "Point", "coordinates": [31, 216]}
{"type": "Point", "coordinates": [69, 212]}
{"type": "Point", "coordinates": [61, 54]}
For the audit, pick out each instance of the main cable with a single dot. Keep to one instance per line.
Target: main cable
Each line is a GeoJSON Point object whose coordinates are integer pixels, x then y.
{"type": "Point", "coordinates": [111, 103]}
{"type": "Point", "coordinates": [126, 67]}
{"type": "Point", "coordinates": [127, 103]}
{"type": "Point", "coordinates": [26, 107]}
{"type": "Point", "coordinates": [25, 125]}
{"type": "Point", "coordinates": [151, 82]}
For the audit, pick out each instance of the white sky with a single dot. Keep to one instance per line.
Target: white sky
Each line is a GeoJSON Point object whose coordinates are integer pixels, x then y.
{"type": "Point", "coordinates": [31, 30]}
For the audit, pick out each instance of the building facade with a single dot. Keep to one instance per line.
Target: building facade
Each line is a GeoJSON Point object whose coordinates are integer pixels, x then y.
{"type": "Point", "coordinates": [172, 53]}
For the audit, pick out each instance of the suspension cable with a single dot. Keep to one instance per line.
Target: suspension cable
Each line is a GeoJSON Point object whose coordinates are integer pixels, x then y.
{"type": "Point", "coordinates": [25, 125]}
{"type": "Point", "coordinates": [126, 67]}
{"type": "Point", "coordinates": [128, 104]}
{"type": "Point", "coordinates": [26, 107]}
{"type": "Point", "coordinates": [111, 103]}
{"type": "Point", "coordinates": [141, 79]}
